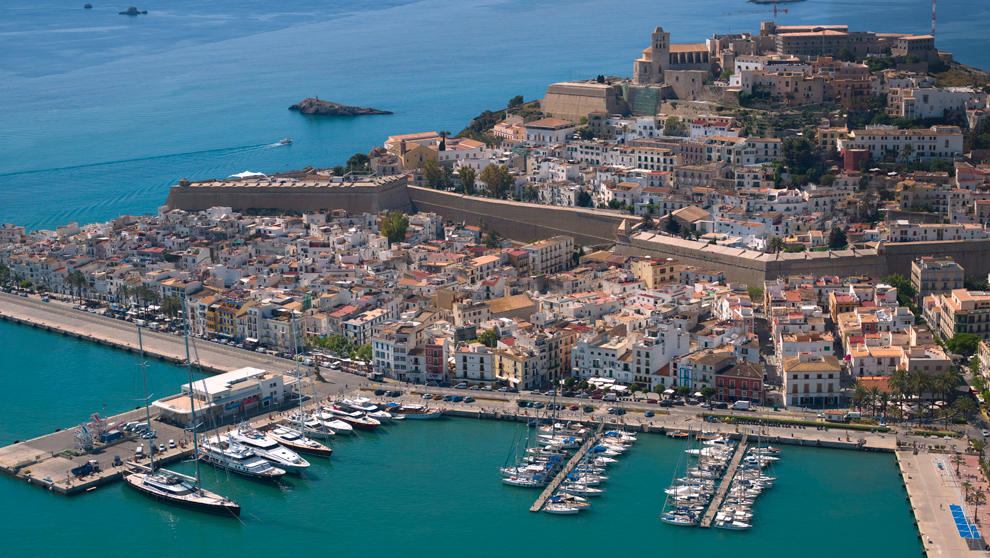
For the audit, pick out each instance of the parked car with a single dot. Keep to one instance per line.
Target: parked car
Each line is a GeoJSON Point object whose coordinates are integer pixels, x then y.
{"type": "Point", "coordinates": [567, 394]}
{"type": "Point", "coordinates": [444, 384]}
{"type": "Point", "coordinates": [573, 407]}
{"type": "Point", "coordinates": [448, 397]}
{"type": "Point", "coordinates": [599, 396]}
{"type": "Point", "coordinates": [589, 409]}
{"type": "Point", "coordinates": [437, 397]}
{"type": "Point", "coordinates": [457, 399]}
{"type": "Point", "coordinates": [461, 385]}
{"type": "Point", "coordinates": [721, 405]}
{"type": "Point", "coordinates": [161, 448]}
{"type": "Point", "coordinates": [538, 405]}
{"type": "Point", "coordinates": [393, 394]}
{"type": "Point", "coordinates": [475, 388]}
{"type": "Point", "coordinates": [583, 396]}
{"type": "Point", "coordinates": [469, 400]}
{"type": "Point", "coordinates": [486, 388]}
{"type": "Point", "coordinates": [666, 403]}
{"type": "Point", "coordinates": [171, 444]}
{"type": "Point", "coordinates": [503, 389]}
{"type": "Point", "coordinates": [521, 403]}
{"type": "Point", "coordinates": [427, 396]}
{"type": "Point", "coordinates": [379, 392]}
{"type": "Point", "coordinates": [512, 390]}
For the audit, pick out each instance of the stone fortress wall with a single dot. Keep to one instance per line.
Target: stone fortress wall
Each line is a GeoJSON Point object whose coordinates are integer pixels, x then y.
{"type": "Point", "coordinates": [524, 222]}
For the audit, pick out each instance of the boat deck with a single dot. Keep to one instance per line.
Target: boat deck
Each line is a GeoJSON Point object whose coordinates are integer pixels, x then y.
{"type": "Point", "coordinates": [568, 467]}
{"type": "Point", "coordinates": [723, 487]}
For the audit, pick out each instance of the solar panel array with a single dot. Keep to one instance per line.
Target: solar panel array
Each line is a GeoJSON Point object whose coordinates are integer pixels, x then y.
{"type": "Point", "coordinates": [966, 529]}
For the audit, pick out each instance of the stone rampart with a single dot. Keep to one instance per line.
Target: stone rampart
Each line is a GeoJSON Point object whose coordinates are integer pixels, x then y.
{"type": "Point", "coordinates": [522, 221]}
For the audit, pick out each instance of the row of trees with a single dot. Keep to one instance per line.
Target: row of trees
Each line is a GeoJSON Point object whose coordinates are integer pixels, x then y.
{"type": "Point", "coordinates": [903, 385]}
{"type": "Point", "coordinates": [341, 346]}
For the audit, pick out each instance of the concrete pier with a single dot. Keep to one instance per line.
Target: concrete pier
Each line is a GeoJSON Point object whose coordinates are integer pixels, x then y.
{"type": "Point", "coordinates": [723, 487]}
{"type": "Point", "coordinates": [568, 467]}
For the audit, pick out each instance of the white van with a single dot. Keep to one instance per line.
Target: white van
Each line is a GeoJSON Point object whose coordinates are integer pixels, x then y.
{"type": "Point", "coordinates": [139, 452]}
{"type": "Point", "coordinates": [609, 397]}
{"type": "Point", "coordinates": [740, 406]}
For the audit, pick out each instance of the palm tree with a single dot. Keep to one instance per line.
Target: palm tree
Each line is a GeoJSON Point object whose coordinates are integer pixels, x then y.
{"type": "Point", "coordinates": [4, 274]}
{"type": "Point", "coordinates": [78, 280]}
{"type": "Point", "coordinates": [945, 384]}
{"type": "Point", "coordinates": [873, 395]}
{"type": "Point", "coordinates": [884, 400]}
{"type": "Point", "coordinates": [979, 446]}
{"type": "Point", "coordinates": [860, 393]}
{"type": "Point", "coordinates": [967, 486]}
{"type": "Point", "coordinates": [648, 219]}
{"type": "Point", "coordinates": [897, 384]}
{"type": "Point", "coordinates": [958, 461]}
{"type": "Point", "coordinates": [171, 306]}
{"type": "Point", "coordinates": [919, 383]}
{"type": "Point", "coordinates": [978, 497]}
{"type": "Point", "coordinates": [123, 293]}
{"type": "Point", "coordinates": [775, 244]}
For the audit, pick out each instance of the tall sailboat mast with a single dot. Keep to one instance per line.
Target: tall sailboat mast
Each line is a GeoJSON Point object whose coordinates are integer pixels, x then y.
{"type": "Point", "coordinates": [147, 411]}
{"type": "Point", "coordinates": [192, 399]}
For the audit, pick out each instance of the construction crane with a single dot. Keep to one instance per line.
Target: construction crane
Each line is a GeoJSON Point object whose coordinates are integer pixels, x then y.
{"type": "Point", "coordinates": [775, 11]}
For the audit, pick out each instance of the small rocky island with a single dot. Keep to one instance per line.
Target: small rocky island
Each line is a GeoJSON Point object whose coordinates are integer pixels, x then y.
{"type": "Point", "coordinates": [132, 11]}
{"type": "Point", "coordinates": [326, 108]}
{"type": "Point", "coordinates": [88, 7]}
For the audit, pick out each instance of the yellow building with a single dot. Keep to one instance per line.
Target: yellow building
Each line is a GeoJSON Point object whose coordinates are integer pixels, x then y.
{"type": "Point", "coordinates": [656, 272]}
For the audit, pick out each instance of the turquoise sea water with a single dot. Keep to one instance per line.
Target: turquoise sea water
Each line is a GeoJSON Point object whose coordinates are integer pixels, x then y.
{"type": "Point", "coordinates": [425, 488]}
{"type": "Point", "coordinates": [100, 113]}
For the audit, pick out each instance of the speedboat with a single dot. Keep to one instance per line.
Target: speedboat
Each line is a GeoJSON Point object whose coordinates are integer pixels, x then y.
{"type": "Point", "coordinates": [415, 411]}
{"type": "Point", "coordinates": [240, 460]}
{"type": "Point", "coordinates": [270, 450]}
{"type": "Point", "coordinates": [720, 441]}
{"type": "Point", "coordinates": [361, 404]}
{"type": "Point", "coordinates": [286, 141]}
{"type": "Point", "coordinates": [560, 509]}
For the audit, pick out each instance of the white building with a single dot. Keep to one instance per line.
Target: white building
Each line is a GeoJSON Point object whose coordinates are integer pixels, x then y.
{"type": "Point", "coordinates": [241, 393]}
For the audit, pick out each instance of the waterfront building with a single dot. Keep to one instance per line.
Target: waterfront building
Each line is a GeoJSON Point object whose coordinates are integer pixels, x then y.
{"type": "Point", "coordinates": [811, 380]}
{"type": "Point", "coordinates": [221, 398]}
{"type": "Point", "coordinates": [742, 382]}
{"type": "Point", "coordinates": [474, 363]}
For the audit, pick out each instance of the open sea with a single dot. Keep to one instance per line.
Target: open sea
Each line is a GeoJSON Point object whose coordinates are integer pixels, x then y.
{"type": "Point", "coordinates": [423, 489]}
{"type": "Point", "coordinates": [100, 113]}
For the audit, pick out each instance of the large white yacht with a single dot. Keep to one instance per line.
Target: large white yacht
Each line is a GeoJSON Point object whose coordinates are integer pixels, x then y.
{"type": "Point", "coordinates": [270, 450]}
{"type": "Point", "coordinates": [227, 456]}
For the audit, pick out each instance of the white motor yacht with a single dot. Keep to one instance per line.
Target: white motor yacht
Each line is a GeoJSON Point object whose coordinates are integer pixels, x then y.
{"type": "Point", "coordinates": [270, 450]}
{"type": "Point", "coordinates": [228, 456]}
{"type": "Point", "coordinates": [681, 520]}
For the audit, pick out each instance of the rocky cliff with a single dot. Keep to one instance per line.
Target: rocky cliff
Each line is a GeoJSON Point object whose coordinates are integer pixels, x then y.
{"type": "Point", "coordinates": [326, 108]}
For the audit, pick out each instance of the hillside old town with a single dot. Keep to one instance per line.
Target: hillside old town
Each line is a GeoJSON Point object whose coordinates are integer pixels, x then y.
{"type": "Point", "coordinates": [795, 139]}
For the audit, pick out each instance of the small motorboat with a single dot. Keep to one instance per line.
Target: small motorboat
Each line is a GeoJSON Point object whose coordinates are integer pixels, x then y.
{"type": "Point", "coordinates": [286, 141]}
{"type": "Point", "coordinates": [682, 520]}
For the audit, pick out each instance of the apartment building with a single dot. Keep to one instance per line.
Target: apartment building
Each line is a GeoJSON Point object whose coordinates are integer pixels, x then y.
{"type": "Point", "coordinates": [931, 275]}
{"type": "Point", "coordinates": [552, 255]}
{"type": "Point", "coordinates": [811, 380]}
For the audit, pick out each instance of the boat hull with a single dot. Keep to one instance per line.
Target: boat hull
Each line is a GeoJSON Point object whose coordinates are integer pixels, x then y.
{"type": "Point", "coordinates": [238, 472]}
{"type": "Point", "coordinates": [226, 510]}
{"type": "Point", "coordinates": [423, 416]}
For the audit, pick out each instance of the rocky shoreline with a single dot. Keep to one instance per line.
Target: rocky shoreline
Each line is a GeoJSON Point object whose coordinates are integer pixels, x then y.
{"type": "Point", "coordinates": [326, 108]}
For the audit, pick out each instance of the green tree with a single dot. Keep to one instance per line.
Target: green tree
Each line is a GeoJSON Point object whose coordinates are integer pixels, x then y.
{"type": "Point", "coordinates": [964, 344]}
{"type": "Point", "coordinates": [569, 382]}
{"type": "Point", "coordinates": [837, 238]}
{"type": "Point", "coordinates": [827, 179]}
{"type": "Point", "coordinates": [973, 283]}
{"type": "Point", "coordinates": [493, 239]}
{"type": "Point", "coordinates": [684, 390]}
{"type": "Point", "coordinates": [4, 274]}
{"type": "Point", "coordinates": [467, 179]}
{"type": "Point", "coordinates": [634, 388]}
{"type": "Point", "coordinates": [339, 170]}
{"type": "Point", "coordinates": [846, 55]}
{"type": "Point", "coordinates": [358, 162]}
{"type": "Point", "coordinates": [123, 294]}
{"type": "Point", "coordinates": [907, 151]}
{"type": "Point", "coordinates": [171, 306]}
{"type": "Point", "coordinates": [337, 344]}
{"type": "Point", "coordinates": [673, 126]}
{"type": "Point", "coordinates": [583, 199]}
{"type": "Point", "coordinates": [393, 226]}
{"type": "Point", "coordinates": [708, 392]}
{"type": "Point", "coordinates": [905, 289]}
{"type": "Point", "coordinates": [647, 220]}
{"type": "Point", "coordinates": [600, 78]}
{"type": "Point", "coordinates": [775, 244]}
{"type": "Point", "coordinates": [798, 155]}
{"type": "Point", "coordinates": [755, 294]}
{"type": "Point", "coordinates": [77, 281]}
{"type": "Point", "coordinates": [672, 226]}
{"type": "Point", "coordinates": [364, 352]}
{"type": "Point", "coordinates": [516, 101]}
{"type": "Point", "coordinates": [432, 172]}
{"type": "Point", "coordinates": [489, 338]}
{"type": "Point", "coordinates": [497, 181]}
{"type": "Point", "coordinates": [25, 284]}
{"type": "Point", "coordinates": [583, 384]}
